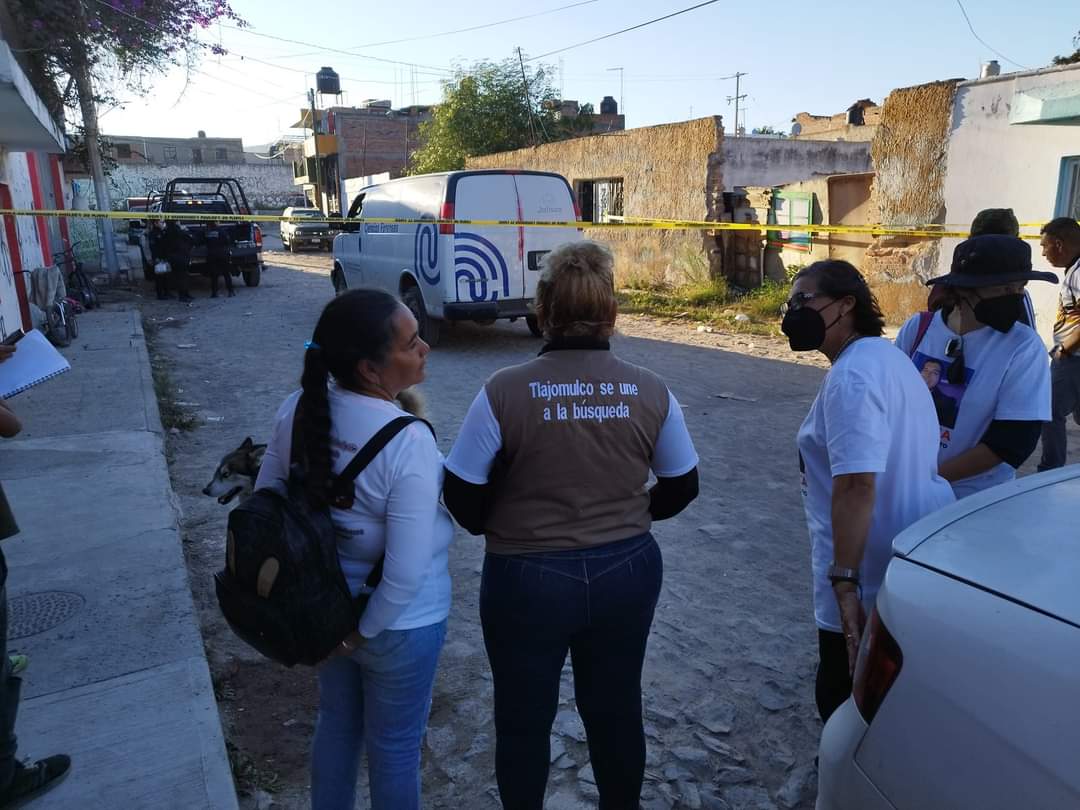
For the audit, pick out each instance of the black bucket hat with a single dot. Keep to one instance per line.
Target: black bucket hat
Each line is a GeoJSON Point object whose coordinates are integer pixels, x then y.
{"type": "Point", "coordinates": [991, 259]}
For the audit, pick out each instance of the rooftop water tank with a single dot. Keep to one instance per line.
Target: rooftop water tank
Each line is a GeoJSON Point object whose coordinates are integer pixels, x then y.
{"type": "Point", "coordinates": [609, 106]}
{"type": "Point", "coordinates": [328, 82]}
{"type": "Point", "coordinates": [989, 69]}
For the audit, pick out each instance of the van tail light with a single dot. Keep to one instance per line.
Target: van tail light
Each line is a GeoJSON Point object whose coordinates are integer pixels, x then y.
{"type": "Point", "coordinates": [258, 237]}
{"type": "Point", "coordinates": [447, 212]}
{"type": "Point", "coordinates": [876, 668]}
{"type": "Point", "coordinates": [577, 211]}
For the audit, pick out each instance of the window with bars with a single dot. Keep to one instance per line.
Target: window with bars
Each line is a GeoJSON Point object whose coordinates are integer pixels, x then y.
{"type": "Point", "coordinates": [600, 199]}
{"type": "Point", "coordinates": [1068, 204]}
{"type": "Point", "coordinates": [222, 154]}
{"type": "Point", "coordinates": [170, 152]}
{"type": "Point", "coordinates": [123, 151]}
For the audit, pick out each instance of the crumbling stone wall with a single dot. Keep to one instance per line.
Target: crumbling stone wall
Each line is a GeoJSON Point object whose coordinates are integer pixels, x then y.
{"type": "Point", "coordinates": [673, 171]}
{"type": "Point", "coordinates": [909, 153]}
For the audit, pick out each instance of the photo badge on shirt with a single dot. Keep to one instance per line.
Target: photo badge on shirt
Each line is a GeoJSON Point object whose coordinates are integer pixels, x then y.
{"type": "Point", "coordinates": [947, 396]}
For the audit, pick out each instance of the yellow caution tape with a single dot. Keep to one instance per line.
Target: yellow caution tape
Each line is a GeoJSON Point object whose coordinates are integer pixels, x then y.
{"type": "Point", "coordinates": [921, 231]}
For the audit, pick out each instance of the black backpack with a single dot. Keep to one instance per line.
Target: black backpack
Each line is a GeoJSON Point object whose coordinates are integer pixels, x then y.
{"type": "Point", "coordinates": [282, 589]}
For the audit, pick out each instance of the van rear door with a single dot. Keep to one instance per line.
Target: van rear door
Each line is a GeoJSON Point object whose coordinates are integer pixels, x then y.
{"type": "Point", "coordinates": [487, 259]}
{"type": "Point", "coordinates": [543, 198]}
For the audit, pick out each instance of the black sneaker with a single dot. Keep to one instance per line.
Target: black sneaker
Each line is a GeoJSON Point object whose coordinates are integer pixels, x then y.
{"type": "Point", "coordinates": [30, 781]}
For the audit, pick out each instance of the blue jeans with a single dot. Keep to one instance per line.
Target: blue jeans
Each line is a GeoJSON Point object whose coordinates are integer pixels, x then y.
{"type": "Point", "coordinates": [1065, 378]}
{"type": "Point", "coordinates": [597, 604]}
{"type": "Point", "coordinates": [380, 698]}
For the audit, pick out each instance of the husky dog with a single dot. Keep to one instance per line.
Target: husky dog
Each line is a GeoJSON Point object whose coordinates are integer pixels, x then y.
{"type": "Point", "coordinates": [236, 472]}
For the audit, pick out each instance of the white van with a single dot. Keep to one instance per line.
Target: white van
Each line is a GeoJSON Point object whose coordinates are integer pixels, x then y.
{"type": "Point", "coordinates": [463, 272]}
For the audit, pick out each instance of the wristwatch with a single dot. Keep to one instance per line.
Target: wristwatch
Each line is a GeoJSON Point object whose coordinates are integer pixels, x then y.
{"type": "Point", "coordinates": [838, 574]}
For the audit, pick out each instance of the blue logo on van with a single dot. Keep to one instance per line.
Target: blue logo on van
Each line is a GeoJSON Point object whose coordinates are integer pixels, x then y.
{"type": "Point", "coordinates": [426, 253]}
{"type": "Point", "coordinates": [478, 262]}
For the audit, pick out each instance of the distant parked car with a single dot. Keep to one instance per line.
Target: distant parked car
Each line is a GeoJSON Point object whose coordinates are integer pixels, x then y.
{"type": "Point", "coordinates": [967, 688]}
{"type": "Point", "coordinates": [316, 233]}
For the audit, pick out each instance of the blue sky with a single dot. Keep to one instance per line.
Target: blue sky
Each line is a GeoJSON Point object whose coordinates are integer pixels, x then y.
{"type": "Point", "coordinates": [817, 57]}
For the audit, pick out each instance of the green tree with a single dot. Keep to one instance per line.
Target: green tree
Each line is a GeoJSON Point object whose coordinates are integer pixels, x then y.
{"type": "Point", "coordinates": [89, 47]}
{"type": "Point", "coordinates": [485, 109]}
{"type": "Point", "coordinates": [1074, 58]}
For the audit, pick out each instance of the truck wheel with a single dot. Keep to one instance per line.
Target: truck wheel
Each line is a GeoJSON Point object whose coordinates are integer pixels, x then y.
{"type": "Point", "coordinates": [337, 278]}
{"type": "Point", "coordinates": [253, 276]}
{"type": "Point", "coordinates": [429, 328]}
{"type": "Point", "coordinates": [534, 326]}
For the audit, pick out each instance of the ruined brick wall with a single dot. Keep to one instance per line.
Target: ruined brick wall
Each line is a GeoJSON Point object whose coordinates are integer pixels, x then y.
{"type": "Point", "coordinates": [672, 171]}
{"type": "Point", "coordinates": [909, 153]}
{"type": "Point", "coordinates": [836, 127]}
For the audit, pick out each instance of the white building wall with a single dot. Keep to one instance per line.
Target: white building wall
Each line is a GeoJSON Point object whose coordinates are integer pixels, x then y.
{"type": "Point", "coordinates": [267, 186]}
{"type": "Point", "coordinates": [994, 164]}
{"type": "Point", "coordinates": [15, 173]}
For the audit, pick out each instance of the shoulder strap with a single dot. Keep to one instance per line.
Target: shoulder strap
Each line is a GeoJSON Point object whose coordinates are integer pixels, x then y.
{"type": "Point", "coordinates": [374, 446]}
{"type": "Point", "coordinates": [925, 319]}
{"type": "Point", "coordinates": [341, 490]}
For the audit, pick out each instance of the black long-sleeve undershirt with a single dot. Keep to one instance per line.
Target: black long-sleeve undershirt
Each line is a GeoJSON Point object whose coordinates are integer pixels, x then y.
{"type": "Point", "coordinates": [470, 504]}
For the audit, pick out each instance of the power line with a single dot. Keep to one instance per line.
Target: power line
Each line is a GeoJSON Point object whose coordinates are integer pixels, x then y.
{"type": "Point", "coordinates": [457, 30]}
{"type": "Point", "coordinates": [148, 24]}
{"type": "Point", "coordinates": [327, 49]}
{"type": "Point", "coordinates": [983, 42]}
{"type": "Point", "coordinates": [624, 30]}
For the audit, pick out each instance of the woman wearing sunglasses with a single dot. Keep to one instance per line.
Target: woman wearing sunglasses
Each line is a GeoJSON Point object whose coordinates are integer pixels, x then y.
{"type": "Point", "coordinates": [993, 366]}
{"type": "Point", "coordinates": [868, 454]}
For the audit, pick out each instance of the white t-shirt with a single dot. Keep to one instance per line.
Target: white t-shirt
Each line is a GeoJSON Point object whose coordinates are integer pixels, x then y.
{"type": "Point", "coordinates": [873, 414]}
{"type": "Point", "coordinates": [1007, 376]}
{"type": "Point", "coordinates": [397, 509]}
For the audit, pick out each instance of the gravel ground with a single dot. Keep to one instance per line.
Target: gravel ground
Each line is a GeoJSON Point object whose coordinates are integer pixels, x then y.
{"type": "Point", "coordinates": [729, 675]}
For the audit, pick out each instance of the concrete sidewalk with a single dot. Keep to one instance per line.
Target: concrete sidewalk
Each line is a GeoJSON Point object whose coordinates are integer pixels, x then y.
{"type": "Point", "coordinates": [98, 589]}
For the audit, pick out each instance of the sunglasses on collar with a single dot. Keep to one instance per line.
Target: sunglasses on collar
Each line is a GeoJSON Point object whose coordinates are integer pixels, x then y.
{"type": "Point", "coordinates": [954, 350]}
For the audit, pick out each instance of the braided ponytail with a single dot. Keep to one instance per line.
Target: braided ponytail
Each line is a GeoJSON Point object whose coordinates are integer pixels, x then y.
{"type": "Point", "coordinates": [314, 411]}
{"type": "Point", "coordinates": [353, 327]}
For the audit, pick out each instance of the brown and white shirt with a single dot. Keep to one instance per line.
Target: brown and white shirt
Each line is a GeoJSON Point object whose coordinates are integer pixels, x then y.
{"type": "Point", "coordinates": [1067, 324]}
{"type": "Point", "coordinates": [568, 440]}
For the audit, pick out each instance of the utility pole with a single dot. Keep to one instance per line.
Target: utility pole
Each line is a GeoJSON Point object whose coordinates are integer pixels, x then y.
{"type": "Point", "coordinates": [315, 140]}
{"type": "Point", "coordinates": [622, 106]}
{"type": "Point", "coordinates": [736, 98]}
{"type": "Point", "coordinates": [528, 98]}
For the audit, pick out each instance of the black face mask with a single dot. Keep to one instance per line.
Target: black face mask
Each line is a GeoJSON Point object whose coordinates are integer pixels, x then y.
{"type": "Point", "coordinates": [805, 328]}
{"type": "Point", "coordinates": [1000, 312]}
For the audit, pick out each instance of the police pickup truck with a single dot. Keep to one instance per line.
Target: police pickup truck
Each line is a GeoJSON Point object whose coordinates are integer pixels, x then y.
{"type": "Point", "coordinates": [209, 196]}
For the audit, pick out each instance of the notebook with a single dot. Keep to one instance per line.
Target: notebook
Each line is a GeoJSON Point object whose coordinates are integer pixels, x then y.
{"type": "Point", "coordinates": [35, 360]}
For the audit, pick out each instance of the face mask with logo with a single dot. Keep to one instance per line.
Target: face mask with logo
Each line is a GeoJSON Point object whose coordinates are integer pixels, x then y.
{"type": "Point", "coordinates": [1000, 312]}
{"type": "Point", "coordinates": [805, 327]}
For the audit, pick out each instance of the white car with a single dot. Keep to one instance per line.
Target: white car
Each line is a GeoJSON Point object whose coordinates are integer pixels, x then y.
{"type": "Point", "coordinates": [967, 689]}
{"type": "Point", "coordinates": [316, 233]}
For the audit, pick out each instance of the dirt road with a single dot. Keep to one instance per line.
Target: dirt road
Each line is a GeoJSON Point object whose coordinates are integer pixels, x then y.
{"type": "Point", "coordinates": [729, 676]}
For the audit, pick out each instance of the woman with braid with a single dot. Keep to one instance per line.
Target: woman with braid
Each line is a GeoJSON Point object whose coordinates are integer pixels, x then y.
{"type": "Point", "coordinates": [375, 695]}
